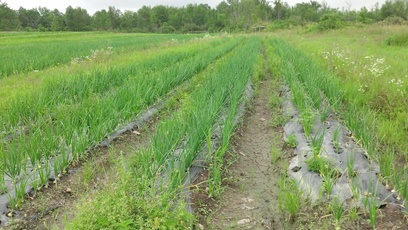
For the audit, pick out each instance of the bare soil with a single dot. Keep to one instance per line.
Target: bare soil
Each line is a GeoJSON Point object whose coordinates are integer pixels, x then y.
{"type": "Point", "coordinates": [250, 197]}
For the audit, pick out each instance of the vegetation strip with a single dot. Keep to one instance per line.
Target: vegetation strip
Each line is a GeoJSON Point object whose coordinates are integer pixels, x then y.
{"type": "Point", "coordinates": [44, 51]}
{"type": "Point", "coordinates": [316, 93]}
{"type": "Point", "coordinates": [191, 123]}
{"type": "Point", "coordinates": [83, 138]}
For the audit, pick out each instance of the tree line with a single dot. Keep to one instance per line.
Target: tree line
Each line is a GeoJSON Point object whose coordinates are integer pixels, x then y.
{"type": "Point", "coordinates": [229, 15]}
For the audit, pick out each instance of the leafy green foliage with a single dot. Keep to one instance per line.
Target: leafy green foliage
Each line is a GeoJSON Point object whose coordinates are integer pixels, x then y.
{"type": "Point", "coordinates": [331, 22]}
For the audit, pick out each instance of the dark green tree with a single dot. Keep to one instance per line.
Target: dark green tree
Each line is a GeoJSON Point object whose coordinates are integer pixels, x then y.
{"type": "Point", "coordinates": [77, 19]}
{"type": "Point", "coordinates": [8, 18]}
{"type": "Point", "coordinates": [144, 19]}
{"type": "Point", "coordinates": [101, 20]}
{"type": "Point", "coordinates": [128, 21]}
{"type": "Point", "coordinates": [29, 19]}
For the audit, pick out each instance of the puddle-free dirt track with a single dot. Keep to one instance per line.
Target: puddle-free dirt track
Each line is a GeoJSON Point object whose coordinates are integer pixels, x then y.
{"type": "Point", "coordinates": [250, 200]}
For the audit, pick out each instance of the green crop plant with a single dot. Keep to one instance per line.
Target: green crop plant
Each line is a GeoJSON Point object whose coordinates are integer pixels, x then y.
{"type": "Point", "coordinates": [325, 110]}
{"type": "Point", "coordinates": [317, 142]}
{"type": "Point", "coordinates": [187, 129]}
{"type": "Point", "coordinates": [369, 82]}
{"type": "Point", "coordinates": [329, 175]}
{"type": "Point", "coordinates": [351, 159]}
{"type": "Point", "coordinates": [307, 118]}
{"type": "Point", "coordinates": [370, 202]}
{"type": "Point", "coordinates": [19, 189]}
{"type": "Point", "coordinates": [336, 139]}
{"type": "Point", "coordinates": [81, 117]}
{"type": "Point", "coordinates": [322, 166]}
{"type": "Point", "coordinates": [386, 160]}
{"type": "Point", "coordinates": [44, 172]}
{"type": "Point", "coordinates": [47, 46]}
{"type": "Point", "coordinates": [291, 140]}
{"type": "Point", "coordinates": [215, 180]}
{"type": "Point", "coordinates": [338, 211]}
{"type": "Point", "coordinates": [76, 87]}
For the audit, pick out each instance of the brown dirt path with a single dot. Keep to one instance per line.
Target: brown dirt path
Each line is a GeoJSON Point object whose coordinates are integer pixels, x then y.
{"type": "Point", "coordinates": [250, 199]}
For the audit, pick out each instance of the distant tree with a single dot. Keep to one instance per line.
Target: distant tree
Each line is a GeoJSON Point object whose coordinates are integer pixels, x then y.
{"type": "Point", "coordinates": [280, 10]}
{"type": "Point", "coordinates": [144, 19]}
{"type": "Point", "coordinates": [365, 16]}
{"type": "Point", "coordinates": [57, 21]}
{"type": "Point", "coordinates": [77, 19]}
{"type": "Point", "coordinates": [224, 16]}
{"type": "Point", "coordinates": [46, 17]}
{"type": "Point", "coordinates": [307, 12]}
{"type": "Point", "coordinates": [159, 16]}
{"type": "Point", "coordinates": [128, 21]}
{"type": "Point", "coordinates": [114, 17]}
{"type": "Point", "coordinates": [29, 18]}
{"type": "Point", "coordinates": [176, 17]}
{"type": "Point", "coordinates": [101, 20]}
{"type": "Point", "coordinates": [396, 8]}
{"type": "Point", "coordinates": [8, 18]}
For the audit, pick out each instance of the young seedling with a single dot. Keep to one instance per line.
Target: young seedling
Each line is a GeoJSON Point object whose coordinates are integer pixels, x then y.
{"type": "Point", "coordinates": [307, 118]}
{"type": "Point", "coordinates": [276, 153]}
{"type": "Point", "coordinates": [44, 173]}
{"type": "Point", "coordinates": [370, 203]}
{"type": "Point", "coordinates": [386, 160]}
{"type": "Point", "coordinates": [337, 209]}
{"type": "Point", "coordinates": [351, 159]}
{"type": "Point", "coordinates": [336, 139]}
{"type": "Point", "coordinates": [20, 192]}
{"type": "Point", "coordinates": [324, 111]}
{"type": "Point", "coordinates": [328, 183]}
{"type": "Point", "coordinates": [317, 142]}
{"type": "Point", "coordinates": [292, 142]}
{"type": "Point", "coordinates": [329, 175]}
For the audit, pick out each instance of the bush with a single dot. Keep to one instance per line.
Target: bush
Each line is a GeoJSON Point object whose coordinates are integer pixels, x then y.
{"type": "Point", "coordinates": [331, 22]}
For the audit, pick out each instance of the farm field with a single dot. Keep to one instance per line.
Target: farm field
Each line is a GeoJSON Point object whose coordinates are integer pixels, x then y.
{"type": "Point", "coordinates": [131, 131]}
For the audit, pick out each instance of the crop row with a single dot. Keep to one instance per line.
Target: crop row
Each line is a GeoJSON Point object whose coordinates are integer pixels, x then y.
{"type": "Point", "coordinates": [73, 88]}
{"type": "Point", "coordinates": [22, 54]}
{"type": "Point", "coordinates": [74, 125]}
{"type": "Point", "coordinates": [317, 94]}
{"type": "Point", "coordinates": [158, 171]}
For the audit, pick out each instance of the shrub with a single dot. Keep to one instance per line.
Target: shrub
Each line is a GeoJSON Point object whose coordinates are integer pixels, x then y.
{"type": "Point", "coordinates": [331, 22]}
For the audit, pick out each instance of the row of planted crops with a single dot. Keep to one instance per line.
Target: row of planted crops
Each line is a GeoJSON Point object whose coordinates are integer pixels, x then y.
{"type": "Point", "coordinates": [53, 113]}
{"type": "Point", "coordinates": [46, 127]}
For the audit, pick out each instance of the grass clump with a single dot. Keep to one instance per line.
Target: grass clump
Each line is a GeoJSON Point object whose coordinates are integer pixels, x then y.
{"type": "Point", "coordinates": [397, 40]}
{"type": "Point", "coordinates": [291, 141]}
{"type": "Point", "coordinates": [289, 197]}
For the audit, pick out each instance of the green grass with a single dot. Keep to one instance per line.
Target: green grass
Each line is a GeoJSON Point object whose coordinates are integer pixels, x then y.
{"type": "Point", "coordinates": [26, 52]}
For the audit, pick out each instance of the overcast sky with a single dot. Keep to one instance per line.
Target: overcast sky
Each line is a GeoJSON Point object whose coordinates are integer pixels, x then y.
{"type": "Point", "coordinates": [94, 5]}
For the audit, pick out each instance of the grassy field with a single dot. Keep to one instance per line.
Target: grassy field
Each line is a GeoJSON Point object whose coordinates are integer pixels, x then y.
{"type": "Point", "coordinates": [62, 93]}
